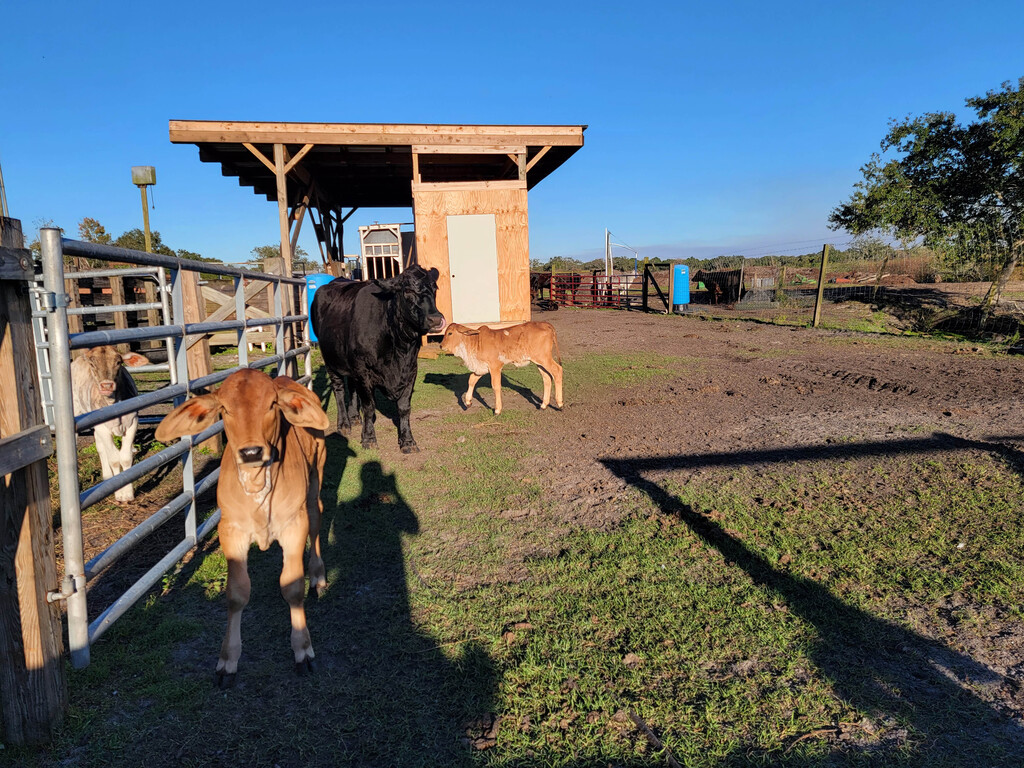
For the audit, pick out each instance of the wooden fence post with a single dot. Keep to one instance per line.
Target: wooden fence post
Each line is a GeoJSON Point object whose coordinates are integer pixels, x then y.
{"type": "Point", "coordinates": [117, 296]}
{"type": "Point", "coordinates": [33, 689]}
{"type": "Point", "coordinates": [821, 286]}
{"type": "Point", "coordinates": [198, 355]}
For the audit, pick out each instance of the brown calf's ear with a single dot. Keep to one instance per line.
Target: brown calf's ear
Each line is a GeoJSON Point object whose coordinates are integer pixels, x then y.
{"type": "Point", "coordinates": [299, 406]}
{"type": "Point", "coordinates": [190, 417]}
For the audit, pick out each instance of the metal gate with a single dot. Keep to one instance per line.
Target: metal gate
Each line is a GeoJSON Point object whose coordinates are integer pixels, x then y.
{"type": "Point", "coordinates": [55, 345]}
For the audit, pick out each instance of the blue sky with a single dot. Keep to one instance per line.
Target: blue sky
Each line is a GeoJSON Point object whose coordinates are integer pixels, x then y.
{"type": "Point", "coordinates": [714, 128]}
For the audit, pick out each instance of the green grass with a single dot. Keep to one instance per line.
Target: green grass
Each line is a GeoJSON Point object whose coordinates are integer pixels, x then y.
{"type": "Point", "coordinates": [751, 617]}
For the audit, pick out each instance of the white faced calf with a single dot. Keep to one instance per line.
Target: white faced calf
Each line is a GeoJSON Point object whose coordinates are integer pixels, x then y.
{"type": "Point", "coordinates": [99, 379]}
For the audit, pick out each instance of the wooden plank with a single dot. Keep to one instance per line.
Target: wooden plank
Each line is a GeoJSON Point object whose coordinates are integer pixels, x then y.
{"type": "Point", "coordinates": [286, 253]}
{"type": "Point", "coordinates": [441, 149]}
{"type": "Point", "coordinates": [197, 355]}
{"type": "Point", "coordinates": [33, 689]}
{"type": "Point", "coordinates": [538, 156]}
{"type": "Point", "coordinates": [431, 208]}
{"type": "Point", "coordinates": [371, 134]}
{"type": "Point", "coordinates": [15, 264]}
{"type": "Point", "coordinates": [298, 156]}
{"type": "Point", "coordinates": [24, 448]}
{"type": "Point", "coordinates": [467, 186]}
{"type": "Point", "coordinates": [117, 297]}
{"type": "Point", "coordinates": [259, 156]}
{"type": "Point", "coordinates": [71, 288]}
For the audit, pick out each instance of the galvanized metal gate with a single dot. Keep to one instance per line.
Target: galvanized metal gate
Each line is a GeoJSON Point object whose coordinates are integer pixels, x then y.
{"type": "Point", "coordinates": [55, 345]}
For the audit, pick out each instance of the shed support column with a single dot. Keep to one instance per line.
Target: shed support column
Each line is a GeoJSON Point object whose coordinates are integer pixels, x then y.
{"type": "Point", "coordinates": [286, 249]}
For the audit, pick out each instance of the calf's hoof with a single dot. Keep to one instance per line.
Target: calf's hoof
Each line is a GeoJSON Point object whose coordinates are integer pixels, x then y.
{"type": "Point", "coordinates": [371, 443]}
{"type": "Point", "coordinates": [224, 680]}
{"type": "Point", "coordinates": [410, 448]}
{"type": "Point", "coordinates": [305, 667]}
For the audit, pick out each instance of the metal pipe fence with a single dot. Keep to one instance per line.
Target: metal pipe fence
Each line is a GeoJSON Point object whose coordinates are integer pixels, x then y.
{"type": "Point", "coordinates": [54, 346]}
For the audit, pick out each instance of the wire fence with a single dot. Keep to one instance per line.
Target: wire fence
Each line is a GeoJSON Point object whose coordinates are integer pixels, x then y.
{"type": "Point", "coordinates": [866, 285]}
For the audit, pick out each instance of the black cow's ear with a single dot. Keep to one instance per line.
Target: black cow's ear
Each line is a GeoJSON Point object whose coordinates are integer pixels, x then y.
{"type": "Point", "coordinates": [434, 273]}
{"type": "Point", "coordinates": [381, 291]}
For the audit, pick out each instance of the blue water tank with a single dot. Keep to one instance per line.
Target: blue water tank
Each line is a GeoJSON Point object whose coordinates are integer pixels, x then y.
{"type": "Point", "coordinates": [312, 283]}
{"type": "Point", "coordinates": [680, 285]}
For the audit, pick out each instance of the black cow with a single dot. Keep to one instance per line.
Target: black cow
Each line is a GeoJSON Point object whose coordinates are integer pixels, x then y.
{"type": "Point", "coordinates": [370, 334]}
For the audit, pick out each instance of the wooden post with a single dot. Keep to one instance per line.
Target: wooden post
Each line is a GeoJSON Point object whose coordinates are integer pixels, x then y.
{"type": "Point", "coordinates": [33, 690]}
{"type": "Point", "coordinates": [198, 355]}
{"type": "Point", "coordinates": [286, 252]}
{"type": "Point", "coordinates": [117, 296]}
{"type": "Point", "coordinates": [821, 286]}
{"type": "Point", "coordinates": [71, 288]}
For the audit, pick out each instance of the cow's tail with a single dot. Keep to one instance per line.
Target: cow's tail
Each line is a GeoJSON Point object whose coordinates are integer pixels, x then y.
{"type": "Point", "coordinates": [554, 343]}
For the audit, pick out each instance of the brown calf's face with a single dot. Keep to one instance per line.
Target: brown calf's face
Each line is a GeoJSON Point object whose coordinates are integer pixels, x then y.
{"type": "Point", "coordinates": [252, 424]}
{"type": "Point", "coordinates": [452, 336]}
{"type": "Point", "coordinates": [252, 405]}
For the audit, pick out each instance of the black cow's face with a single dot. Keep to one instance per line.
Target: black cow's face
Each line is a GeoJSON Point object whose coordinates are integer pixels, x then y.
{"type": "Point", "coordinates": [415, 290]}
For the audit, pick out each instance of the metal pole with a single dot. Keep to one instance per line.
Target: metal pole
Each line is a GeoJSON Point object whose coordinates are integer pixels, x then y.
{"type": "Point", "coordinates": [73, 588]}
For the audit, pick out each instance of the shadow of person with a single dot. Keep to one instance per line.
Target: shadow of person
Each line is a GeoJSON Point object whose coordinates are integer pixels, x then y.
{"type": "Point", "coordinates": [893, 673]}
{"type": "Point", "coordinates": [388, 694]}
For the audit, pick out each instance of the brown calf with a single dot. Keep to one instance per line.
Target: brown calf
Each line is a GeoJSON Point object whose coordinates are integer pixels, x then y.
{"type": "Point", "coordinates": [486, 350]}
{"type": "Point", "coordinates": [268, 490]}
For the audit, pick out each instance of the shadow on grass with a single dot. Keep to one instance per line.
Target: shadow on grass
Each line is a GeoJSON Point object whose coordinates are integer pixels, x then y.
{"type": "Point", "coordinates": [895, 674]}
{"type": "Point", "coordinates": [391, 696]}
{"type": "Point", "coordinates": [458, 383]}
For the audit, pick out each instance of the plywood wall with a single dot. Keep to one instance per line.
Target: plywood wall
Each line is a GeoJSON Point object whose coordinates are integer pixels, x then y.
{"type": "Point", "coordinates": [432, 204]}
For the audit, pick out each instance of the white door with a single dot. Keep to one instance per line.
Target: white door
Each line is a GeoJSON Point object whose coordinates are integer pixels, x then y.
{"type": "Point", "coordinates": [473, 265]}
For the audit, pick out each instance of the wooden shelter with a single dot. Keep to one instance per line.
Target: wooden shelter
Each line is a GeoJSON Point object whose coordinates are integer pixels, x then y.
{"type": "Point", "coordinates": [466, 184]}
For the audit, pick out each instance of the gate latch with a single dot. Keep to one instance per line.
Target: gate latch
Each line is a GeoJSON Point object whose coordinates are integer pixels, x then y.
{"type": "Point", "coordinates": [52, 301]}
{"type": "Point", "coordinates": [68, 587]}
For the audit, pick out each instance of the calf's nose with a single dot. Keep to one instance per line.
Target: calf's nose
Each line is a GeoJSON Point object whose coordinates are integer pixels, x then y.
{"type": "Point", "coordinates": [252, 454]}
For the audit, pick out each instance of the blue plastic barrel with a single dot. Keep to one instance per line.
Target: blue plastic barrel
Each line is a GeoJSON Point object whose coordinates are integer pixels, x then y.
{"type": "Point", "coordinates": [680, 285]}
{"type": "Point", "coordinates": [312, 283]}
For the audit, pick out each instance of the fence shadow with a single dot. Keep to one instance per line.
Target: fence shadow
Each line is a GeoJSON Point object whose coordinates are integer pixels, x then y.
{"type": "Point", "coordinates": [873, 664]}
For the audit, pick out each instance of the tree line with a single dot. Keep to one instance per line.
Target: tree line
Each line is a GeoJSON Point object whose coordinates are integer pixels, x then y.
{"type": "Point", "coordinates": [91, 230]}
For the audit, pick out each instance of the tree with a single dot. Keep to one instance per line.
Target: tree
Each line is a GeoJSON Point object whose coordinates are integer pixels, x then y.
{"type": "Point", "coordinates": [136, 240]}
{"type": "Point", "coordinates": [957, 187]}
{"type": "Point", "coordinates": [92, 231]}
{"type": "Point", "coordinates": [301, 263]}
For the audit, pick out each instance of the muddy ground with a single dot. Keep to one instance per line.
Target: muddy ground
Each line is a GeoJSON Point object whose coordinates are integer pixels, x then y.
{"type": "Point", "coordinates": [759, 393]}
{"type": "Point", "coordinates": [751, 394]}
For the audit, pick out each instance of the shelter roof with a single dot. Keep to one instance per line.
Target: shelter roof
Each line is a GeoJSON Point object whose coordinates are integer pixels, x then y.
{"type": "Point", "coordinates": [374, 164]}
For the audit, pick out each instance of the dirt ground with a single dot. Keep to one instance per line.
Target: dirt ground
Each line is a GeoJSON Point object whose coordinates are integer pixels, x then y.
{"type": "Point", "coordinates": [756, 393]}
{"type": "Point", "coordinates": [760, 393]}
